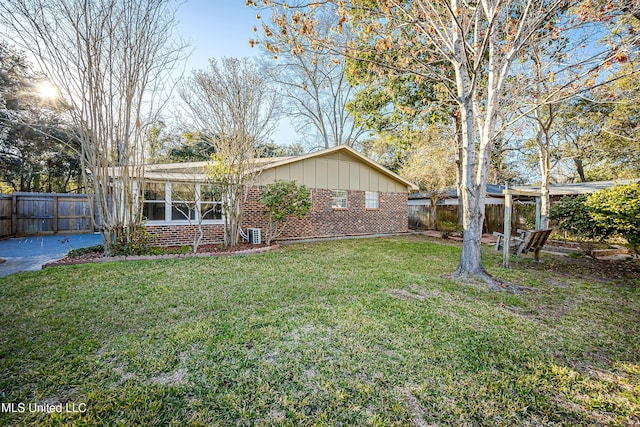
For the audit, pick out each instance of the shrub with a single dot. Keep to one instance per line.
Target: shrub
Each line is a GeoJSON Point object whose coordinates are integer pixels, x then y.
{"type": "Point", "coordinates": [139, 242]}
{"type": "Point", "coordinates": [617, 211]}
{"type": "Point", "coordinates": [573, 217]}
{"type": "Point", "coordinates": [283, 200]}
{"type": "Point", "coordinates": [83, 251]}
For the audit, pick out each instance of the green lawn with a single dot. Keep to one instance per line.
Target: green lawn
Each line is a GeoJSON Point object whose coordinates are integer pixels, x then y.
{"type": "Point", "coordinates": [354, 332]}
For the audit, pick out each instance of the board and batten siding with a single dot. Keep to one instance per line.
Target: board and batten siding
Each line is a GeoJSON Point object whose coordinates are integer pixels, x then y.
{"type": "Point", "coordinates": [335, 171]}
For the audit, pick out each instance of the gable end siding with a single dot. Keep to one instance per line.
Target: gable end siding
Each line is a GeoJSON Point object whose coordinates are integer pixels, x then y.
{"type": "Point", "coordinates": [331, 174]}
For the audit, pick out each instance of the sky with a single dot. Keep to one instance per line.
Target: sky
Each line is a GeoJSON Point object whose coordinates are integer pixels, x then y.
{"type": "Point", "coordinates": [216, 28]}
{"type": "Point", "coordinates": [222, 28]}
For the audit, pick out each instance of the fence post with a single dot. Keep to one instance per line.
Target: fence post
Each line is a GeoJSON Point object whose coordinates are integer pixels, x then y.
{"type": "Point", "coordinates": [14, 214]}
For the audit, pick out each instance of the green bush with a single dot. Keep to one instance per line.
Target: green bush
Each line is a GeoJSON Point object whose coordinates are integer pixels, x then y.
{"type": "Point", "coordinates": [616, 210]}
{"type": "Point", "coordinates": [448, 226]}
{"type": "Point", "coordinates": [139, 242]}
{"type": "Point", "coordinates": [610, 212]}
{"type": "Point", "coordinates": [282, 200]}
{"type": "Point", "coordinates": [573, 217]}
{"type": "Point", "coordinates": [83, 251]}
{"type": "Point", "coordinates": [178, 250]}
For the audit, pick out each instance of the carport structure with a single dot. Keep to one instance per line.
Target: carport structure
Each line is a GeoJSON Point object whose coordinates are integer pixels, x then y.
{"type": "Point", "coordinates": [556, 191]}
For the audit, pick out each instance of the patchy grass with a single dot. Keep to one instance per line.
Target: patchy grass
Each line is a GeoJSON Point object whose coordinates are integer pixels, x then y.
{"type": "Point", "coordinates": [354, 332]}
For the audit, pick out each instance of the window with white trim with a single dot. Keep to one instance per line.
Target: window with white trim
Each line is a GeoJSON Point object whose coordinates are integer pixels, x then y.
{"type": "Point", "coordinates": [340, 199]}
{"type": "Point", "coordinates": [371, 200]}
{"type": "Point", "coordinates": [181, 202]}
{"type": "Point", "coordinates": [154, 201]}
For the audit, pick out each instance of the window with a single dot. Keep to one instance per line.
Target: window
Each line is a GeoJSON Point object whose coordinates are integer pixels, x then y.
{"type": "Point", "coordinates": [339, 199]}
{"type": "Point", "coordinates": [181, 202]}
{"type": "Point", "coordinates": [154, 201]}
{"type": "Point", "coordinates": [372, 200]}
{"type": "Point", "coordinates": [210, 202]}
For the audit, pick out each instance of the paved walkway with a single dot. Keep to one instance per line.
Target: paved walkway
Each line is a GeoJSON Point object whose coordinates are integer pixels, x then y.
{"type": "Point", "coordinates": [30, 253]}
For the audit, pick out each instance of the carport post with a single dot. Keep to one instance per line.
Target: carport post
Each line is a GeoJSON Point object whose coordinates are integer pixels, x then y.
{"type": "Point", "coordinates": [508, 198]}
{"type": "Point", "coordinates": [538, 211]}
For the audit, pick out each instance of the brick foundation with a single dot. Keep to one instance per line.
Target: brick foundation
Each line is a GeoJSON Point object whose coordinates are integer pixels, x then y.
{"type": "Point", "coordinates": [322, 220]}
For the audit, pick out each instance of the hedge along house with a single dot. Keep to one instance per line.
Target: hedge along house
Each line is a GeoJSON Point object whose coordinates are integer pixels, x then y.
{"type": "Point", "coordinates": [351, 195]}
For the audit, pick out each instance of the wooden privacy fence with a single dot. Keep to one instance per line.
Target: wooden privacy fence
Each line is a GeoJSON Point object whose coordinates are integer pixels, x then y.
{"type": "Point", "coordinates": [45, 213]}
{"type": "Point", "coordinates": [447, 217]}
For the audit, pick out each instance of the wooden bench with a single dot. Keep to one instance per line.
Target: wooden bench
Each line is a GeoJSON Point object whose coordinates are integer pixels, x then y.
{"type": "Point", "coordinates": [500, 239]}
{"type": "Point", "coordinates": [526, 241]}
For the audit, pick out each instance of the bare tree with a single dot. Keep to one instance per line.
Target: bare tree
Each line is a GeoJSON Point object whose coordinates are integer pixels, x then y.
{"type": "Point", "coordinates": [110, 60]}
{"type": "Point", "coordinates": [235, 103]}
{"type": "Point", "coordinates": [314, 84]}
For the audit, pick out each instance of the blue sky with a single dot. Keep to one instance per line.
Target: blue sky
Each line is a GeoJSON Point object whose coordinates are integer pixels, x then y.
{"type": "Point", "coordinates": [216, 28]}
{"type": "Point", "coordinates": [222, 28]}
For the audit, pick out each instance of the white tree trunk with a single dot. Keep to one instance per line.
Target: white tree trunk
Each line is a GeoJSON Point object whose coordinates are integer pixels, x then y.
{"type": "Point", "coordinates": [471, 196]}
{"type": "Point", "coordinates": [545, 171]}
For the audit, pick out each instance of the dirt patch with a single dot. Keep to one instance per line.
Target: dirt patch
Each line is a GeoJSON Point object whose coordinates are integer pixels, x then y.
{"type": "Point", "coordinates": [414, 293]}
{"type": "Point", "coordinates": [598, 418]}
{"type": "Point", "coordinates": [403, 294]}
{"type": "Point", "coordinates": [124, 375]}
{"type": "Point", "coordinates": [616, 271]}
{"type": "Point", "coordinates": [177, 377]}
{"type": "Point", "coordinates": [65, 395]}
{"type": "Point", "coordinates": [203, 250]}
{"type": "Point", "coordinates": [416, 409]}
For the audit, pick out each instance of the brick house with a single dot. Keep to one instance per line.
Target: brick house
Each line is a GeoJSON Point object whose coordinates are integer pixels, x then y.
{"type": "Point", "coordinates": [350, 194]}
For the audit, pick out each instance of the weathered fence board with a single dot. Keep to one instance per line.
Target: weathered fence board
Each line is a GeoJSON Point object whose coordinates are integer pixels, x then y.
{"type": "Point", "coordinates": [5, 214]}
{"type": "Point", "coordinates": [44, 213]}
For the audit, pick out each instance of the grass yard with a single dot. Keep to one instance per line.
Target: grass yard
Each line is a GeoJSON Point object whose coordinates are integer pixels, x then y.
{"type": "Point", "coordinates": [354, 332]}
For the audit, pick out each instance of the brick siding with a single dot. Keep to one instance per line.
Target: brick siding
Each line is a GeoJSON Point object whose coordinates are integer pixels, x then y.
{"type": "Point", "coordinates": [321, 221]}
{"type": "Point", "coordinates": [179, 235]}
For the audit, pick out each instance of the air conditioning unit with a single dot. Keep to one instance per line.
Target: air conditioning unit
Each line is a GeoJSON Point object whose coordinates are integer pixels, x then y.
{"type": "Point", "coordinates": [254, 236]}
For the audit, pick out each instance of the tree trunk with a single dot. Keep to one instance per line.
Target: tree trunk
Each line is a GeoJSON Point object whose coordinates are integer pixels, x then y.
{"type": "Point", "coordinates": [543, 142]}
{"type": "Point", "coordinates": [579, 168]}
{"type": "Point", "coordinates": [472, 200]}
{"type": "Point", "coordinates": [459, 142]}
{"type": "Point", "coordinates": [544, 161]}
{"type": "Point", "coordinates": [433, 211]}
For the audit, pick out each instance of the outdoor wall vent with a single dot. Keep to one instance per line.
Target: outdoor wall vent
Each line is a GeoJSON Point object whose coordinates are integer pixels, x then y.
{"type": "Point", "coordinates": [254, 236]}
